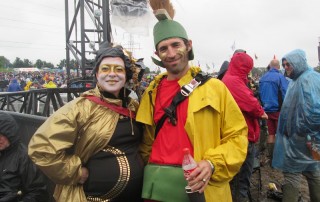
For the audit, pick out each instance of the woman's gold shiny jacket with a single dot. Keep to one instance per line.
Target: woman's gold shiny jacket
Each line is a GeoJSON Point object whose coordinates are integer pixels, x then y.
{"type": "Point", "coordinates": [69, 137]}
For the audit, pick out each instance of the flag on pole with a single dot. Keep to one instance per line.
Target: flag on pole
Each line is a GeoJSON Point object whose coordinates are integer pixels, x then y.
{"type": "Point", "coordinates": [208, 67]}
{"type": "Point", "coordinates": [158, 69]}
{"type": "Point", "coordinates": [233, 47]}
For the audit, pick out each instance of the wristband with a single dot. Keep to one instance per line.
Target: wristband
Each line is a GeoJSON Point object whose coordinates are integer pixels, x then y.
{"type": "Point", "coordinates": [212, 166]}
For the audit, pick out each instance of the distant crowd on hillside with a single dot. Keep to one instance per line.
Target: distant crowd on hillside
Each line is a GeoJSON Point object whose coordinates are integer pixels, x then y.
{"type": "Point", "coordinates": [22, 81]}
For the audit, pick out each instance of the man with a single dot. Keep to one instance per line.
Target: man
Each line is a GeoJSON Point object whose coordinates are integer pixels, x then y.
{"type": "Point", "coordinates": [19, 178]}
{"type": "Point", "coordinates": [297, 144]}
{"type": "Point", "coordinates": [208, 122]}
{"type": "Point", "coordinates": [273, 86]}
{"type": "Point", "coordinates": [236, 80]}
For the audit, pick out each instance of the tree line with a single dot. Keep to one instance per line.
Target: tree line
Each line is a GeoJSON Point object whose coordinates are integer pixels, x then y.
{"type": "Point", "coordinates": [18, 62]}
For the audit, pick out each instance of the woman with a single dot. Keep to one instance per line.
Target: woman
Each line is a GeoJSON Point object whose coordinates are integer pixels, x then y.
{"type": "Point", "coordinates": [89, 146]}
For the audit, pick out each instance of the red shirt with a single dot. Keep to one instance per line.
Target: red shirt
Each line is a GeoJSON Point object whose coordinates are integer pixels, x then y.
{"type": "Point", "coordinates": [171, 140]}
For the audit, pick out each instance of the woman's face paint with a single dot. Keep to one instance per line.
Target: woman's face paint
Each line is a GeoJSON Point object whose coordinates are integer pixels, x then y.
{"type": "Point", "coordinates": [111, 76]}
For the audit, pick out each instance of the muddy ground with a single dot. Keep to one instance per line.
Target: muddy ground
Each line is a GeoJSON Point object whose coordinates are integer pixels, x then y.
{"type": "Point", "coordinates": [270, 175]}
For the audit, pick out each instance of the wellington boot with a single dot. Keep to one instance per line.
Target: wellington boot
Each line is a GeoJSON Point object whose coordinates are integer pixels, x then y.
{"type": "Point", "coordinates": [290, 193]}
{"type": "Point", "coordinates": [314, 192]}
{"type": "Point", "coordinates": [270, 148]}
{"type": "Point", "coordinates": [263, 139]}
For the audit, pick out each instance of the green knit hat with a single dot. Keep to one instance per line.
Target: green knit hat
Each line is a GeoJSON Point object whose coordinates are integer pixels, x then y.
{"type": "Point", "coordinates": [166, 29]}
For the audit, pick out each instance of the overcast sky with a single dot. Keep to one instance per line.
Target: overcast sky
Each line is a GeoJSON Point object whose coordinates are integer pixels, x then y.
{"type": "Point", "coordinates": [34, 29]}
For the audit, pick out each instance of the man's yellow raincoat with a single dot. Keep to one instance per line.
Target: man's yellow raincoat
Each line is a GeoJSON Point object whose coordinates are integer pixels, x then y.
{"type": "Point", "coordinates": [215, 126]}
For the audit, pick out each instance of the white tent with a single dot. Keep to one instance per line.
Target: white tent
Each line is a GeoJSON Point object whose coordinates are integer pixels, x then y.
{"type": "Point", "coordinates": [26, 69]}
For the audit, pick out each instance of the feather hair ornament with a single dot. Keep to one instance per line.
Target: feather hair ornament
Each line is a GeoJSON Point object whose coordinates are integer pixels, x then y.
{"type": "Point", "coordinates": [162, 9]}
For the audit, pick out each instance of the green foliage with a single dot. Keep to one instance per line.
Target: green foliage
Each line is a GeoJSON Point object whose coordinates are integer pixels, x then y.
{"type": "Point", "coordinates": [73, 64]}
{"type": "Point", "coordinates": [6, 69]}
{"type": "Point", "coordinates": [18, 63]}
{"type": "Point", "coordinates": [147, 70]}
{"type": "Point", "coordinates": [21, 63]}
{"type": "Point", "coordinates": [4, 62]}
{"type": "Point", "coordinates": [40, 64]}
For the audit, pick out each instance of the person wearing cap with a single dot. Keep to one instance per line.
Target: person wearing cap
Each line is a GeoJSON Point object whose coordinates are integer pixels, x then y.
{"type": "Point", "coordinates": [20, 180]}
{"type": "Point", "coordinates": [209, 123]}
{"type": "Point", "coordinates": [89, 147]}
{"type": "Point", "coordinates": [297, 146]}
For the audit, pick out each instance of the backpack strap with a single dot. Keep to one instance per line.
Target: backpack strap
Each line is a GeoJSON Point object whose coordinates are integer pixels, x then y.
{"type": "Point", "coordinates": [186, 90]}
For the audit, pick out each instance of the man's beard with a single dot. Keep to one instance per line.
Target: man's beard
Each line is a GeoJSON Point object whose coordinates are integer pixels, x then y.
{"type": "Point", "coordinates": [291, 76]}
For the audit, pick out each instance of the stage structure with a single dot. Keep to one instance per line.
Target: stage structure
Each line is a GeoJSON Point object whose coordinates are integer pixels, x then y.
{"type": "Point", "coordinates": [87, 24]}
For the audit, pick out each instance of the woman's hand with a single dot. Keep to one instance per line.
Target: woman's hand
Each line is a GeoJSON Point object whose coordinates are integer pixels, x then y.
{"type": "Point", "coordinates": [84, 175]}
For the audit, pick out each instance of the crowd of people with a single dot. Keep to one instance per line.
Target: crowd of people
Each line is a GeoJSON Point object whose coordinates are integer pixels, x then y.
{"type": "Point", "coordinates": [23, 81]}
{"type": "Point", "coordinates": [107, 146]}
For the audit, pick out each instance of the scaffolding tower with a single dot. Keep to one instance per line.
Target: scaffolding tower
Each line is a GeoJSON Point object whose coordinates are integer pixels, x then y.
{"type": "Point", "coordinates": [87, 24]}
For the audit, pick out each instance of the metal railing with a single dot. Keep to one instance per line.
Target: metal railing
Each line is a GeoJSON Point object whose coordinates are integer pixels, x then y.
{"type": "Point", "coordinates": [41, 102]}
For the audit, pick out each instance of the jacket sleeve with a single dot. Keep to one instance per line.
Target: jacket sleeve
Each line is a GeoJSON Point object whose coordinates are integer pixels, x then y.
{"type": "Point", "coordinates": [232, 142]}
{"type": "Point", "coordinates": [33, 183]}
{"type": "Point", "coordinates": [245, 99]}
{"type": "Point", "coordinates": [50, 146]}
{"type": "Point", "coordinates": [146, 143]}
{"type": "Point", "coordinates": [144, 116]}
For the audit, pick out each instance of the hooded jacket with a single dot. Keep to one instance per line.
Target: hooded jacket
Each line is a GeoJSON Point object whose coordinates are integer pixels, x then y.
{"type": "Point", "coordinates": [14, 86]}
{"type": "Point", "coordinates": [215, 127]}
{"type": "Point", "coordinates": [299, 120]}
{"type": "Point", "coordinates": [273, 87]}
{"type": "Point", "coordinates": [50, 84]}
{"type": "Point", "coordinates": [236, 81]}
{"type": "Point", "coordinates": [27, 87]}
{"type": "Point", "coordinates": [19, 178]}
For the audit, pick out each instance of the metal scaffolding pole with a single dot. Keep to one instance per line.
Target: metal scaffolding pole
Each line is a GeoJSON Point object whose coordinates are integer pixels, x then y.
{"type": "Point", "coordinates": [89, 21]}
{"type": "Point", "coordinates": [67, 64]}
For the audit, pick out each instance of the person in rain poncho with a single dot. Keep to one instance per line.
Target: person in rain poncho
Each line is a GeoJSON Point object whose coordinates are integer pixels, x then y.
{"type": "Point", "coordinates": [298, 135]}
